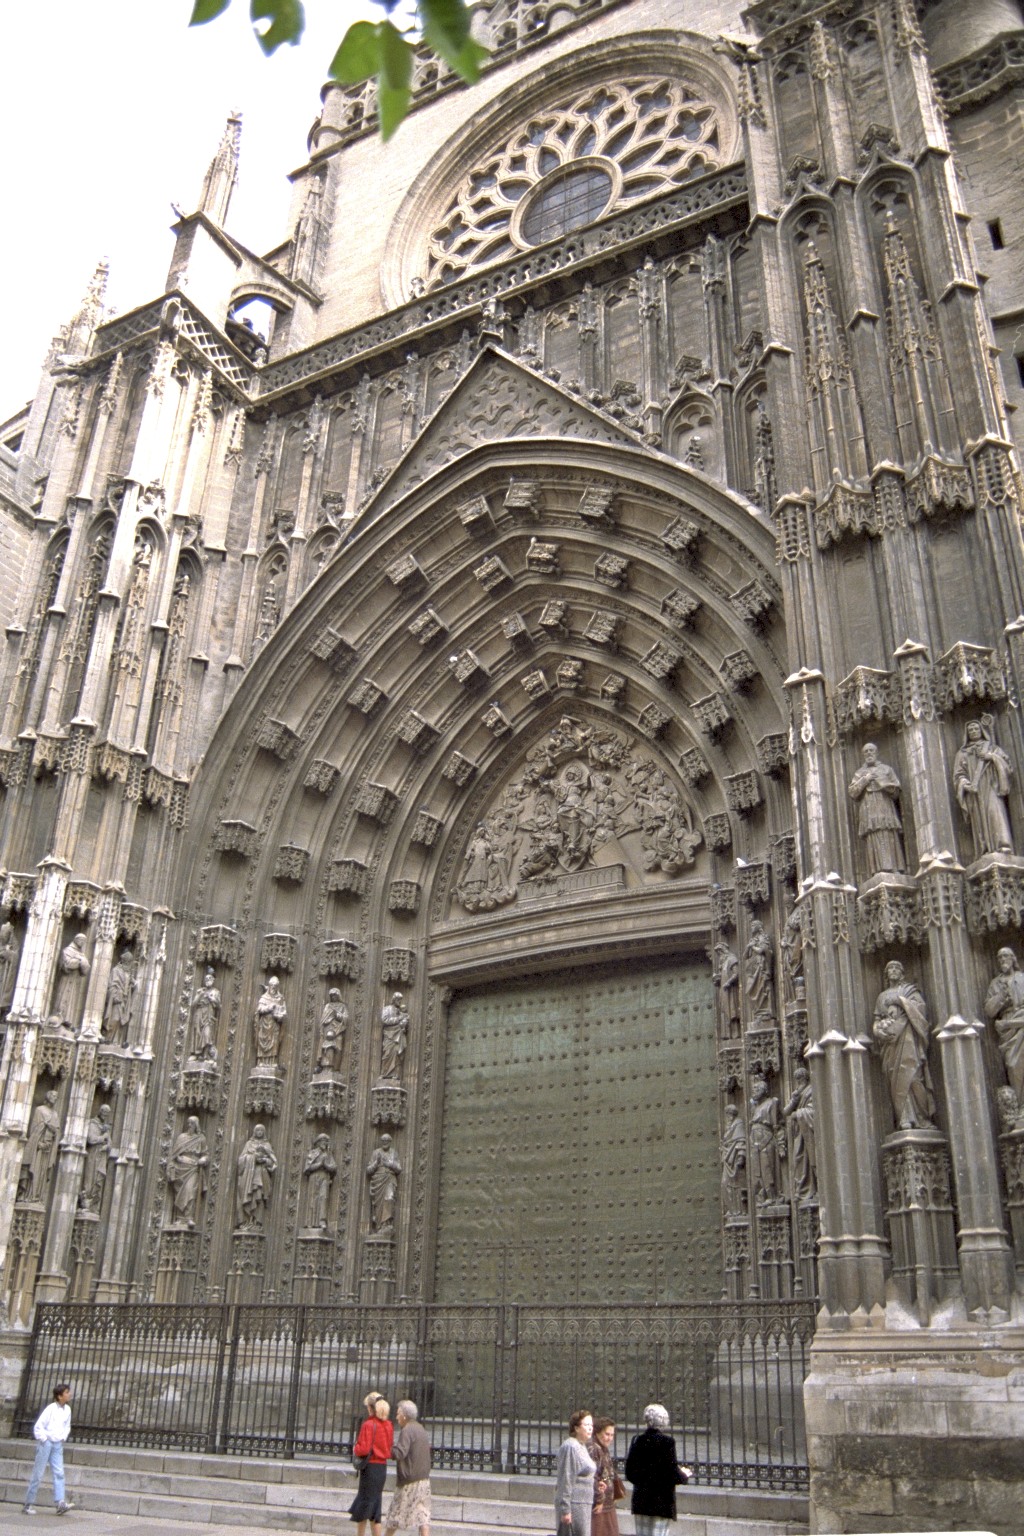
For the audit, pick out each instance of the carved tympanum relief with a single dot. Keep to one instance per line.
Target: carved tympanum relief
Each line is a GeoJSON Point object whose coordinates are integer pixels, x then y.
{"type": "Point", "coordinates": [587, 798]}
{"type": "Point", "coordinates": [609, 147]}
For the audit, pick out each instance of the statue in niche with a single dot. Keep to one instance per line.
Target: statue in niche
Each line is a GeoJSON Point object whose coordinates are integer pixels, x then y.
{"type": "Point", "coordinates": [759, 972]}
{"type": "Point", "coordinates": [728, 980]}
{"type": "Point", "coordinates": [901, 1029]}
{"type": "Point", "coordinates": [186, 1172]}
{"type": "Point", "coordinates": [1007, 1109]}
{"type": "Point", "coordinates": [799, 1113]}
{"type": "Point", "coordinates": [333, 1022]}
{"type": "Point", "coordinates": [257, 1164]}
{"type": "Point", "coordinates": [394, 1019]}
{"type": "Point", "coordinates": [40, 1149]}
{"type": "Point", "coordinates": [1004, 1004]}
{"type": "Point", "coordinates": [734, 1163]}
{"type": "Point", "coordinates": [72, 977]}
{"type": "Point", "coordinates": [119, 1004]}
{"type": "Point", "coordinates": [981, 779]}
{"type": "Point", "coordinates": [97, 1153]}
{"type": "Point", "coordinates": [765, 1142]}
{"type": "Point", "coordinates": [205, 1015]}
{"type": "Point", "coordinates": [268, 1023]}
{"type": "Point", "coordinates": [8, 964]}
{"type": "Point", "coordinates": [319, 1172]}
{"type": "Point", "coordinates": [382, 1171]}
{"type": "Point", "coordinates": [792, 946]}
{"type": "Point", "coordinates": [877, 790]}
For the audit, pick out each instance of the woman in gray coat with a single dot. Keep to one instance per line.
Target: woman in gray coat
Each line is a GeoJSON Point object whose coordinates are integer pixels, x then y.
{"type": "Point", "coordinates": [574, 1477]}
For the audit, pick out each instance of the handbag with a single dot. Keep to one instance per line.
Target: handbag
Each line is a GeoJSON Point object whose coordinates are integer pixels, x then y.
{"type": "Point", "coordinates": [359, 1462]}
{"type": "Point", "coordinates": [618, 1488]}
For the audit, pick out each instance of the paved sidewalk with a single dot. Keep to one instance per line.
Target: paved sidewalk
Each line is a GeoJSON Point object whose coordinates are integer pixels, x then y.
{"type": "Point", "coordinates": [86, 1522]}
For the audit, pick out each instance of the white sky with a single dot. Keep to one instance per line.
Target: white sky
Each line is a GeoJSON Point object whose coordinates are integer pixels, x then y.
{"type": "Point", "coordinates": [111, 110]}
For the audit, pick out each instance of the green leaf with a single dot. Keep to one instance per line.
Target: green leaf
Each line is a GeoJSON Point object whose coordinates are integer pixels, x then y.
{"type": "Point", "coordinates": [286, 18]}
{"type": "Point", "coordinates": [395, 58]}
{"type": "Point", "coordinates": [358, 56]}
{"type": "Point", "coordinates": [392, 105]}
{"type": "Point", "coordinates": [446, 25]}
{"type": "Point", "coordinates": [206, 10]}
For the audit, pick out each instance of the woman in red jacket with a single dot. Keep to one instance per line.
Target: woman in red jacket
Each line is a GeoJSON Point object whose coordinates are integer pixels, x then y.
{"type": "Point", "coordinates": [373, 1442]}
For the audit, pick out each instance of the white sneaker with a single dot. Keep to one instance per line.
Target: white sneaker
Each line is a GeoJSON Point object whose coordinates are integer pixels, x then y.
{"type": "Point", "coordinates": [29, 1509]}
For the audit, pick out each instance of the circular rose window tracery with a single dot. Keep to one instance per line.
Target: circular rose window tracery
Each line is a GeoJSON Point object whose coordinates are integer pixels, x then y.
{"type": "Point", "coordinates": [636, 138]}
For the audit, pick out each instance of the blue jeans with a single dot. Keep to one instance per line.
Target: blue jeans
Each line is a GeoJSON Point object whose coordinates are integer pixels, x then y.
{"type": "Point", "coordinates": [51, 1451]}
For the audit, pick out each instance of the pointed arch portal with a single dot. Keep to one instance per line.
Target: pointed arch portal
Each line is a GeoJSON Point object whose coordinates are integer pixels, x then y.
{"type": "Point", "coordinates": [497, 760]}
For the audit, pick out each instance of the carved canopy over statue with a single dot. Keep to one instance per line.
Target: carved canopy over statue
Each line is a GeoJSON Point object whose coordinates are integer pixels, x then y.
{"type": "Point", "coordinates": [587, 796]}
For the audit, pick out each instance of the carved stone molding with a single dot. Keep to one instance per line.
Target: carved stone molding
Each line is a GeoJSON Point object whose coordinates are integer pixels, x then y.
{"type": "Point", "coordinates": [426, 829]}
{"type": "Point", "coordinates": [730, 1066]}
{"type": "Point", "coordinates": [889, 913]}
{"type": "Point", "coordinates": [81, 898]}
{"type": "Point", "coordinates": [496, 721]}
{"type": "Point", "coordinates": [458, 769]}
{"type": "Point", "coordinates": [378, 1258]}
{"type": "Point", "coordinates": [467, 669]}
{"type": "Point", "coordinates": [967, 673]}
{"type": "Point", "coordinates": [653, 721]}
{"type": "Point", "coordinates": [198, 1086]}
{"type": "Point", "coordinates": [603, 629]}
{"type": "Point", "coordinates": [717, 832]}
{"type": "Point", "coordinates": [712, 714]}
{"type": "Point", "coordinates": [738, 671]}
{"type": "Point", "coordinates": [995, 893]}
{"type": "Point", "coordinates": [613, 690]}
{"type": "Point", "coordinates": [783, 857]}
{"type": "Point", "coordinates": [681, 538]}
{"type": "Point", "coordinates": [773, 755]}
{"type": "Point", "coordinates": [240, 838]}
{"type": "Point", "coordinates": [752, 883]}
{"type": "Point", "coordinates": [277, 738]}
{"type": "Point", "coordinates": [367, 697]}
{"type": "Point", "coordinates": [536, 685]}
{"type": "Point", "coordinates": [516, 631]}
{"type": "Point", "coordinates": [694, 768]}
{"type": "Point", "coordinates": [427, 627]}
{"type": "Point", "coordinates": [404, 896]}
{"type": "Point", "coordinates": [405, 573]}
{"type": "Point", "coordinates": [279, 952]}
{"type": "Point", "coordinates": [680, 608]}
{"type": "Point", "coordinates": [415, 732]}
{"type": "Point", "coordinates": [263, 1092]}
{"type": "Point", "coordinates": [612, 571]}
{"type": "Point", "coordinates": [327, 1098]}
{"type": "Point", "coordinates": [291, 864]}
{"type": "Point", "coordinates": [218, 942]}
{"type": "Point", "coordinates": [340, 957]}
{"type": "Point", "coordinates": [475, 515]}
{"type": "Point", "coordinates": [543, 559]}
{"type": "Point", "coordinates": [388, 1104]}
{"type": "Point", "coordinates": [321, 776]}
{"type": "Point", "coordinates": [332, 648]}
{"type": "Point", "coordinates": [742, 792]}
{"type": "Point", "coordinates": [723, 908]}
{"type": "Point", "coordinates": [753, 603]}
{"type": "Point", "coordinates": [762, 1048]}
{"type": "Point", "coordinates": [597, 506]}
{"type": "Point", "coordinates": [398, 965]}
{"type": "Point", "coordinates": [661, 661]}
{"type": "Point", "coordinates": [492, 574]}
{"type": "Point", "coordinates": [376, 802]}
{"type": "Point", "coordinates": [54, 1053]}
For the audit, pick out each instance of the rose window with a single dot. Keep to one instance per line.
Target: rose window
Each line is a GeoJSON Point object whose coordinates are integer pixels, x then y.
{"type": "Point", "coordinates": [610, 148]}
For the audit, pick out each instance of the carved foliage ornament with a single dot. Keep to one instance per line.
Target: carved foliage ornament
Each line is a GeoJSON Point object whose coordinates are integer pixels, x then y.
{"type": "Point", "coordinates": [585, 797]}
{"type": "Point", "coordinates": [610, 147]}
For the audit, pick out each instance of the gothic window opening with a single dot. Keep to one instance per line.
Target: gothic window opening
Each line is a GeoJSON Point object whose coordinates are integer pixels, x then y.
{"type": "Point", "coordinates": [610, 147]}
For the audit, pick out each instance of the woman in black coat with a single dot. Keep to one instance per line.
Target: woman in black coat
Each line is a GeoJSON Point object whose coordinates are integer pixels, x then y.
{"type": "Point", "coordinates": [652, 1468]}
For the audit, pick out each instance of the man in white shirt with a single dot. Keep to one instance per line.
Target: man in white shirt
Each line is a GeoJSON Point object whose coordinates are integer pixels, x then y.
{"type": "Point", "coordinates": [51, 1429]}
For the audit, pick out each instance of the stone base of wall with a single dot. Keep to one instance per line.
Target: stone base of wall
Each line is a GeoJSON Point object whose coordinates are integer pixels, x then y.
{"type": "Point", "coordinates": [917, 1430]}
{"type": "Point", "coordinates": [14, 1344]}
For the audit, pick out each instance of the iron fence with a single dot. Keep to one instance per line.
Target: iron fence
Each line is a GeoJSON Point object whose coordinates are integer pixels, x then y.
{"type": "Point", "coordinates": [495, 1383]}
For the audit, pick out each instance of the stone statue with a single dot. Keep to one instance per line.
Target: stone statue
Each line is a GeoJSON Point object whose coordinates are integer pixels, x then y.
{"type": "Point", "coordinates": [40, 1149]}
{"type": "Point", "coordinates": [792, 946]}
{"type": "Point", "coordinates": [799, 1112]}
{"type": "Point", "coordinates": [734, 1163]}
{"type": "Point", "coordinates": [271, 1012]}
{"type": "Point", "coordinates": [205, 1014]}
{"type": "Point", "coordinates": [981, 779]}
{"type": "Point", "coordinates": [1004, 1005]}
{"type": "Point", "coordinates": [728, 980]}
{"type": "Point", "coordinates": [877, 789]}
{"type": "Point", "coordinates": [186, 1171]}
{"type": "Point", "coordinates": [382, 1171]}
{"type": "Point", "coordinates": [319, 1172]}
{"type": "Point", "coordinates": [395, 1021]}
{"type": "Point", "coordinates": [8, 963]}
{"type": "Point", "coordinates": [119, 1004]}
{"type": "Point", "coordinates": [72, 976]}
{"type": "Point", "coordinates": [257, 1163]}
{"type": "Point", "coordinates": [97, 1151]}
{"type": "Point", "coordinates": [901, 1029]}
{"type": "Point", "coordinates": [333, 1022]}
{"type": "Point", "coordinates": [763, 1142]}
{"type": "Point", "coordinates": [485, 882]}
{"type": "Point", "coordinates": [759, 971]}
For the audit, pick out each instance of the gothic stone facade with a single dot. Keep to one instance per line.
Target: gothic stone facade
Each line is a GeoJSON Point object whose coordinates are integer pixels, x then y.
{"type": "Point", "coordinates": [553, 703]}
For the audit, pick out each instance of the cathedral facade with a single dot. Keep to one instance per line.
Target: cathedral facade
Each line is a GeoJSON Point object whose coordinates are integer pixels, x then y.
{"type": "Point", "coordinates": [517, 690]}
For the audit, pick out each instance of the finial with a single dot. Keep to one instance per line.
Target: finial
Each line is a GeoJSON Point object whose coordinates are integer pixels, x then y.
{"type": "Point", "coordinates": [222, 174]}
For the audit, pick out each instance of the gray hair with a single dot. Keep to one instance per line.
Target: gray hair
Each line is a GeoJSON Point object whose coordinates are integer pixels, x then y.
{"type": "Point", "coordinates": [407, 1409]}
{"type": "Point", "coordinates": [655, 1416]}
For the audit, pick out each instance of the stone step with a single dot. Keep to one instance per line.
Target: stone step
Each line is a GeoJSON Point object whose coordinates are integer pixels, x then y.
{"type": "Point", "coordinates": [313, 1496]}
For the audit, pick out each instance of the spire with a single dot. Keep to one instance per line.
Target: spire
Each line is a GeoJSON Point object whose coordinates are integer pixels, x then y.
{"type": "Point", "coordinates": [222, 173]}
{"type": "Point", "coordinates": [77, 334]}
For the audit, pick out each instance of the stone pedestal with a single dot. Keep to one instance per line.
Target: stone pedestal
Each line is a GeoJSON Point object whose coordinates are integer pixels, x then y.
{"type": "Point", "coordinates": [263, 1090]}
{"type": "Point", "coordinates": [1011, 1149]}
{"type": "Point", "coordinates": [327, 1098]}
{"type": "Point", "coordinates": [177, 1265]}
{"type": "Point", "coordinates": [199, 1085]}
{"type": "Point", "coordinates": [248, 1266]}
{"type": "Point", "coordinates": [808, 1231]}
{"type": "Point", "coordinates": [23, 1250]}
{"type": "Point", "coordinates": [736, 1257]}
{"type": "Point", "coordinates": [915, 1430]}
{"type": "Point", "coordinates": [920, 1215]}
{"type": "Point", "coordinates": [388, 1104]}
{"type": "Point", "coordinates": [379, 1257]}
{"type": "Point", "coordinates": [85, 1237]}
{"type": "Point", "coordinates": [314, 1264]}
{"type": "Point", "coordinates": [774, 1251]}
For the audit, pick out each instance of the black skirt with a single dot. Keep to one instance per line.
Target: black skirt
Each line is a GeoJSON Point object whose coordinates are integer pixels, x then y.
{"type": "Point", "coordinates": [367, 1502]}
